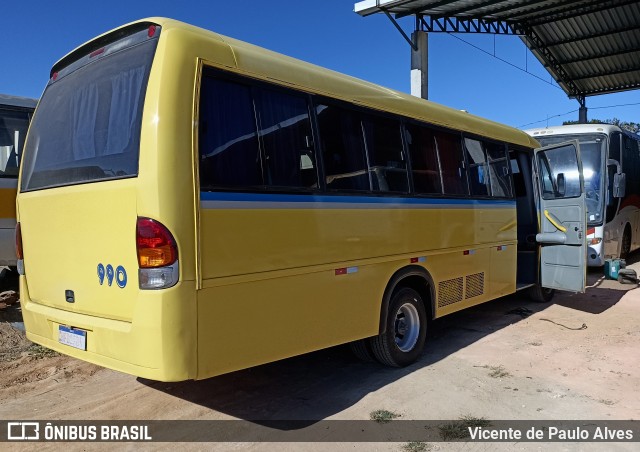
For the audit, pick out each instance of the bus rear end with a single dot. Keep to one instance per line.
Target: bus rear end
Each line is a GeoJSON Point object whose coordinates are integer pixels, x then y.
{"type": "Point", "coordinates": [98, 246]}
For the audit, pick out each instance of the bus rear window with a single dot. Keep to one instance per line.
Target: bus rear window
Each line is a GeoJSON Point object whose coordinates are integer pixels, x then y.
{"type": "Point", "coordinates": [87, 126]}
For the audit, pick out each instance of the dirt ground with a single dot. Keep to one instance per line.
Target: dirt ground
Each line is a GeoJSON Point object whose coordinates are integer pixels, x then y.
{"type": "Point", "coordinates": [574, 358]}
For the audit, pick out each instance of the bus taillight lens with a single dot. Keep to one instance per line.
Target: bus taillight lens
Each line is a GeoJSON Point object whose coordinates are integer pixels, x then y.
{"type": "Point", "coordinates": [19, 254]}
{"type": "Point", "coordinates": [157, 255]}
{"type": "Point", "coordinates": [18, 242]}
{"type": "Point", "coordinates": [156, 246]}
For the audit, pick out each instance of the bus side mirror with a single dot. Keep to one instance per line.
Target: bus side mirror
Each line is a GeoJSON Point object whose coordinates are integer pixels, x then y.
{"type": "Point", "coordinates": [619, 185]}
{"type": "Point", "coordinates": [560, 185]}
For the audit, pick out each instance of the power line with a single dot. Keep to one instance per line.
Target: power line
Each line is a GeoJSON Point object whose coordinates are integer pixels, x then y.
{"type": "Point", "coordinates": [504, 61]}
{"type": "Point", "coordinates": [573, 111]}
{"type": "Point", "coordinates": [548, 118]}
{"type": "Point", "coordinates": [612, 106]}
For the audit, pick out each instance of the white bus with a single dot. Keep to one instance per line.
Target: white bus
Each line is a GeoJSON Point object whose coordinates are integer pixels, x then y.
{"type": "Point", "coordinates": [611, 164]}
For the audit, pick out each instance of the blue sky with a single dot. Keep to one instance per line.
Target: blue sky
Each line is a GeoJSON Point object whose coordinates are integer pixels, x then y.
{"type": "Point", "coordinates": [35, 34]}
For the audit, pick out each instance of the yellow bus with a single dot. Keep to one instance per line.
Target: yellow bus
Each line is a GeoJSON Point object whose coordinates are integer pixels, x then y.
{"type": "Point", "coordinates": [191, 205]}
{"type": "Point", "coordinates": [15, 114]}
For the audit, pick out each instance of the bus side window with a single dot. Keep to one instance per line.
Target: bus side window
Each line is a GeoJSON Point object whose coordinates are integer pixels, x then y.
{"type": "Point", "coordinates": [498, 166]}
{"type": "Point", "coordinates": [285, 131]}
{"type": "Point", "coordinates": [478, 171]}
{"type": "Point", "coordinates": [228, 139]}
{"type": "Point", "coordinates": [425, 165]}
{"type": "Point", "coordinates": [13, 128]}
{"type": "Point", "coordinates": [387, 164]}
{"type": "Point", "coordinates": [454, 175]}
{"type": "Point", "coordinates": [343, 151]}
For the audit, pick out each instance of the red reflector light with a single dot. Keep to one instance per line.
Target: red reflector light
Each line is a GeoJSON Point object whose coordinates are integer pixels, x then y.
{"type": "Point", "coordinates": [152, 31]}
{"type": "Point", "coordinates": [155, 244]}
{"type": "Point", "coordinates": [96, 52]}
{"type": "Point", "coordinates": [19, 242]}
{"type": "Point", "coordinates": [54, 76]}
{"type": "Point", "coordinates": [465, 252]}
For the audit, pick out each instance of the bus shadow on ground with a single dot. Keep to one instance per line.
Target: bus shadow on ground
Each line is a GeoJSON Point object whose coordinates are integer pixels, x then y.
{"type": "Point", "coordinates": [317, 385]}
{"type": "Point", "coordinates": [602, 293]}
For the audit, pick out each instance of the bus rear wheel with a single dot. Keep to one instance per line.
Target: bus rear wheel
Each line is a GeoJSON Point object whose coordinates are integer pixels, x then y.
{"type": "Point", "coordinates": [362, 350]}
{"type": "Point", "coordinates": [406, 330]}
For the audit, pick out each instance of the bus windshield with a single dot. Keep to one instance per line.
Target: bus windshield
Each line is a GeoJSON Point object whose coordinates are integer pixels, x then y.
{"type": "Point", "coordinates": [87, 127]}
{"type": "Point", "coordinates": [593, 149]}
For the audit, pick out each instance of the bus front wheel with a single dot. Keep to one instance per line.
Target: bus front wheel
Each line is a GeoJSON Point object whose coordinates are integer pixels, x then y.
{"type": "Point", "coordinates": [625, 246]}
{"type": "Point", "coordinates": [406, 330]}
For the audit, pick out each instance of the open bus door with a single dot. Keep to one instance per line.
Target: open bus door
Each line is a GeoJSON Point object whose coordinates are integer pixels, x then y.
{"type": "Point", "coordinates": [563, 221]}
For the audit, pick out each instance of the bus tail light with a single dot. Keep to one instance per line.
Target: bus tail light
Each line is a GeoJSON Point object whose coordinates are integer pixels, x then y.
{"type": "Point", "coordinates": [157, 255]}
{"type": "Point", "coordinates": [19, 253]}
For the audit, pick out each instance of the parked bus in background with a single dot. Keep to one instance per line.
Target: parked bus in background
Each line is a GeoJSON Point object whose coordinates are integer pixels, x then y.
{"type": "Point", "coordinates": [191, 205]}
{"type": "Point", "coordinates": [611, 164]}
{"type": "Point", "coordinates": [15, 114]}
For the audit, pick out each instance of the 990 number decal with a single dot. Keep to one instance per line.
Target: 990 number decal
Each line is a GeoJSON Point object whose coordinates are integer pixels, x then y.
{"type": "Point", "coordinates": [119, 275]}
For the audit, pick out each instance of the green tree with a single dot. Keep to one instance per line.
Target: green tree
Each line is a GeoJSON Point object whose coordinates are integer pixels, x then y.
{"type": "Point", "coordinates": [633, 127]}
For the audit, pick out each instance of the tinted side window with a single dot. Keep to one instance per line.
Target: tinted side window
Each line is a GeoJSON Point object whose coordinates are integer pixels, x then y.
{"type": "Point", "coordinates": [285, 131]}
{"type": "Point", "coordinates": [421, 143]}
{"type": "Point", "coordinates": [342, 149]}
{"type": "Point", "coordinates": [498, 166]}
{"type": "Point", "coordinates": [478, 173]}
{"type": "Point", "coordinates": [229, 151]}
{"type": "Point", "coordinates": [13, 129]}
{"type": "Point", "coordinates": [387, 164]}
{"type": "Point", "coordinates": [454, 177]}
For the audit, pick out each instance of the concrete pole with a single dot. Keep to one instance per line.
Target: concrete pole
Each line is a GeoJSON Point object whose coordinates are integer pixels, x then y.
{"type": "Point", "coordinates": [420, 64]}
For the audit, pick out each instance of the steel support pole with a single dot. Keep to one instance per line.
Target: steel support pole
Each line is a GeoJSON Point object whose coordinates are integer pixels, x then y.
{"type": "Point", "coordinates": [420, 64]}
{"type": "Point", "coordinates": [582, 112]}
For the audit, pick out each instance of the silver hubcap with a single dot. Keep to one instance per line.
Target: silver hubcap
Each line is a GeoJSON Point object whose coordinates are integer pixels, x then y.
{"type": "Point", "coordinates": [407, 327]}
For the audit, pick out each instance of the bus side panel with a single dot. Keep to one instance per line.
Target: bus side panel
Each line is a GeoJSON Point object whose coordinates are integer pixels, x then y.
{"type": "Point", "coordinates": [240, 241]}
{"type": "Point", "coordinates": [504, 267]}
{"type": "Point", "coordinates": [293, 301]}
{"type": "Point", "coordinates": [8, 190]}
{"type": "Point", "coordinates": [256, 322]}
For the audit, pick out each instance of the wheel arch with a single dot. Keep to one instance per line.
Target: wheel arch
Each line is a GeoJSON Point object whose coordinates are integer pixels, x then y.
{"type": "Point", "coordinates": [418, 279]}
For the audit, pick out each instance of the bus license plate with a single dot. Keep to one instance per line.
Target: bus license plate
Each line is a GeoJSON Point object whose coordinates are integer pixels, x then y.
{"type": "Point", "coordinates": [72, 337]}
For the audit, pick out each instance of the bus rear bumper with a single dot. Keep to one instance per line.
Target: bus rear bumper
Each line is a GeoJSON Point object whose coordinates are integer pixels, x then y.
{"type": "Point", "coordinates": [143, 348]}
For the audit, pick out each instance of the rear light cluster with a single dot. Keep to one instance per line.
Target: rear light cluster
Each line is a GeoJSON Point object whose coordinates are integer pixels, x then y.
{"type": "Point", "coordinates": [157, 255]}
{"type": "Point", "coordinates": [19, 253]}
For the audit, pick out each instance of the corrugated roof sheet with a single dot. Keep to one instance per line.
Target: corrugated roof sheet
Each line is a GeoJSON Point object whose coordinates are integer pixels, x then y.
{"type": "Point", "coordinates": [589, 46]}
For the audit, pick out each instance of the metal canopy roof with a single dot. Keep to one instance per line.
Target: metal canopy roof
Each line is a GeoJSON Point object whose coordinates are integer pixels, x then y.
{"type": "Point", "coordinates": [590, 47]}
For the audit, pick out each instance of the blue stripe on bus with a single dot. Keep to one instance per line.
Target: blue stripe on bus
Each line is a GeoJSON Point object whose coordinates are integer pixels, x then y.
{"type": "Point", "coordinates": [275, 200]}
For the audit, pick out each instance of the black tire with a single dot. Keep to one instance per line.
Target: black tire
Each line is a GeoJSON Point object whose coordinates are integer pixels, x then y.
{"type": "Point", "coordinates": [541, 294]}
{"type": "Point", "coordinates": [9, 279]}
{"type": "Point", "coordinates": [406, 330]}
{"type": "Point", "coordinates": [625, 246]}
{"type": "Point", "coordinates": [627, 276]}
{"type": "Point", "coordinates": [362, 350]}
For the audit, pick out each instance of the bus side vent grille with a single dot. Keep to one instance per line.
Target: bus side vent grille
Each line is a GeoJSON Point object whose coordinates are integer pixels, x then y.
{"type": "Point", "coordinates": [449, 292]}
{"type": "Point", "coordinates": [474, 285]}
